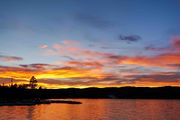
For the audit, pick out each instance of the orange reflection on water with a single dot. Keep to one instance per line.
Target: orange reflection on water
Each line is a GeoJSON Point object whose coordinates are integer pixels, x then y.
{"type": "Point", "coordinates": [74, 112]}
{"type": "Point", "coordinates": [96, 109]}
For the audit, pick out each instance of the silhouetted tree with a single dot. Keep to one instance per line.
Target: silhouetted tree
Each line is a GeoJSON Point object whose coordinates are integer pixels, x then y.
{"type": "Point", "coordinates": [40, 87]}
{"type": "Point", "coordinates": [33, 82]}
{"type": "Point", "coordinates": [23, 86]}
{"type": "Point", "coordinates": [12, 81]}
{"type": "Point", "coordinates": [13, 86]}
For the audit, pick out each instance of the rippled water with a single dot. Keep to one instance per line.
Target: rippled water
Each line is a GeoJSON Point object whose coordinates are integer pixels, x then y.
{"type": "Point", "coordinates": [96, 109]}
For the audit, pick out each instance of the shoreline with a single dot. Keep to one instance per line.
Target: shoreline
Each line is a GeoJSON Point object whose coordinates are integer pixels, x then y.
{"type": "Point", "coordinates": [36, 102]}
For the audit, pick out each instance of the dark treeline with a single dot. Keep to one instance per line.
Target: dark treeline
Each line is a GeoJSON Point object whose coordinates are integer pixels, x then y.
{"type": "Point", "coordinates": [121, 93]}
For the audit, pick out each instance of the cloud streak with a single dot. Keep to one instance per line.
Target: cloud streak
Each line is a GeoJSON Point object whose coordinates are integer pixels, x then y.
{"type": "Point", "coordinates": [5, 58]}
{"type": "Point", "coordinates": [162, 60]}
{"type": "Point", "coordinates": [37, 66]}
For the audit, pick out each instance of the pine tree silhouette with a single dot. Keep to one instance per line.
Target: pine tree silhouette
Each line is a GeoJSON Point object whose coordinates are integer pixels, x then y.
{"type": "Point", "coordinates": [33, 82]}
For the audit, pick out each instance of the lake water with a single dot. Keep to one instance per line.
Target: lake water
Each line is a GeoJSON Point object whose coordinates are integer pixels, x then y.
{"type": "Point", "coordinates": [96, 109]}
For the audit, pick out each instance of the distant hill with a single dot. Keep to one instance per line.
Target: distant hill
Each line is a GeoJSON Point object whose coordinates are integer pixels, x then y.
{"type": "Point", "coordinates": [115, 93]}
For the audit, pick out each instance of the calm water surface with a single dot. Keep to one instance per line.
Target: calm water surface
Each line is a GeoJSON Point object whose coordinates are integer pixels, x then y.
{"type": "Point", "coordinates": [96, 109]}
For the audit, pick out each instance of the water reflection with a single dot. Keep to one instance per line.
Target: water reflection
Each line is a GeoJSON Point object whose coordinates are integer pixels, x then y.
{"type": "Point", "coordinates": [96, 109]}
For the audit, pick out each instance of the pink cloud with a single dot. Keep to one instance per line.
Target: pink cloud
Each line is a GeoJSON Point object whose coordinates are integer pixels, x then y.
{"type": "Point", "coordinates": [174, 46]}
{"type": "Point", "coordinates": [43, 46]}
{"type": "Point", "coordinates": [70, 42]}
{"type": "Point", "coordinates": [91, 57]}
{"type": "Point", "coordinates": [176, 43]}
{"type": "Point", "coordinates": [70, 48]}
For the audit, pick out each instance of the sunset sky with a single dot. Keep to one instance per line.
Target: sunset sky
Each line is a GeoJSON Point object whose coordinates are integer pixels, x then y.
{"type": "Point", "coordinates": [90, 43]}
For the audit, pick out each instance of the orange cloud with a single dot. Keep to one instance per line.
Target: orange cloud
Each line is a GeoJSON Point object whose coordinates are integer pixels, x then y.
{"type": "Point", "coordinates": [69, 72]}
{"type": "Point", "coordinates": [162, 60]}
{"type": "Point", "coordinates": [17, 72]}
{"type": "Point", "coordinates": [55, 73]}
{"type": "Point", "coordinates": [80, 77]}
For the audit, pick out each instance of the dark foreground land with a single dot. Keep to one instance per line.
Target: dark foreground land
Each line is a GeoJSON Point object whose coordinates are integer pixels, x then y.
{"type": "Point", "coordinates": [119, 93]}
